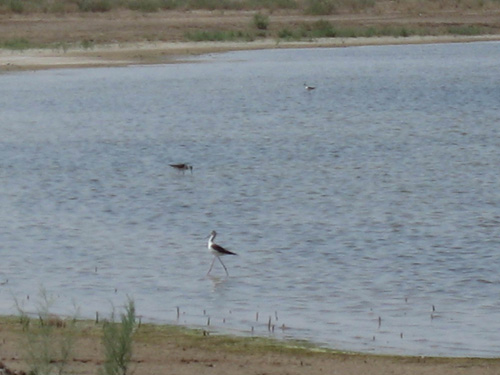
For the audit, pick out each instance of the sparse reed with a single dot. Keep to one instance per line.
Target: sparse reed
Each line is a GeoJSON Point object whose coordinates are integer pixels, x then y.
{"type": "Point", "coordinates": [117, 342]}
{"type": "Point", "coordinates": [49, 340]}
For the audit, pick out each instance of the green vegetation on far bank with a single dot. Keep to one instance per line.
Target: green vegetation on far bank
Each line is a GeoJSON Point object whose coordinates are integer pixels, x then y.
{"type": "Point", "coordinates": [327, 29]}
{"type": "Point", "coordinates": [310, 7]}
{"type": "Point", "coordinates": [280, 20]}
{"type": "Point", "coordinates": [305, 31]}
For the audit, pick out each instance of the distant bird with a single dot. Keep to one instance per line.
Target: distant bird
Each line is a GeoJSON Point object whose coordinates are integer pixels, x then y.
{"type": "Point", "coordinates": [308, 88]}
{"type": "Point", "coordinates": [182, 167]}
{"type": "Point", "coordinates": [217, 251]}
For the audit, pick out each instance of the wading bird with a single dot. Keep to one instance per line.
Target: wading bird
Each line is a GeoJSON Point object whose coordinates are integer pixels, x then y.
{"type": "Point", "coordinates": [217, 251]}
{"type": "Point", "coordinates": [182, 167]}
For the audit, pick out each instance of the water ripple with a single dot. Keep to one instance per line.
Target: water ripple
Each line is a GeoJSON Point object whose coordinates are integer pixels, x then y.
{"type": "Point", "coordinates": [365, 214]}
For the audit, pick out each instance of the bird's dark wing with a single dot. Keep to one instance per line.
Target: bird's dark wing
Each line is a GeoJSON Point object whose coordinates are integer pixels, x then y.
{"type": "Point", "coordinates": [221, 250]}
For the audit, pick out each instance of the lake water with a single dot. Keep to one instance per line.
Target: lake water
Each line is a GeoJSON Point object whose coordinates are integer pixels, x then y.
{"type": "Point", "coordinates": [366, 213]}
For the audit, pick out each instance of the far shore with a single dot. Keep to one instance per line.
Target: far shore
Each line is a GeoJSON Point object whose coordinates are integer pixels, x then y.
{"type": "Point", "coordinates": [144, 53]}
{"type": "Point", "coordinates": [121, 37]}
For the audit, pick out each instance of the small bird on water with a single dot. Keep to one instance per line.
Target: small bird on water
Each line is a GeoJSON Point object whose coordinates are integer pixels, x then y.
{"type": "Point", "coordinates": [217, 251]}
{"type": "Point", "coordinates": [308, 88]}
{"type": "Point", "coordinates": [182, 167]}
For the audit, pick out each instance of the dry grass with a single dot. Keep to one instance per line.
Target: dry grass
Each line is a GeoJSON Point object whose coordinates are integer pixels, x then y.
{"type": "Point", "coordinates": [84, 29]}
{"type": "Point", "coordinates": [315, 7]}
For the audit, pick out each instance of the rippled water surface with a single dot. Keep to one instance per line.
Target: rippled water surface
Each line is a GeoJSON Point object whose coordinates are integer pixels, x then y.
{"type": "Point", "coordinates": [365, 213]}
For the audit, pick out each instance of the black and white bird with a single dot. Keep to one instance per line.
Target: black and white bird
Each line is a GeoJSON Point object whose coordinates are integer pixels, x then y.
{"type": "Point", "coordinates": [217, 251]}
{"type": "Point", "coordinates": [308, 88]}
{"type": "Point", "coordinates": [182, 167]}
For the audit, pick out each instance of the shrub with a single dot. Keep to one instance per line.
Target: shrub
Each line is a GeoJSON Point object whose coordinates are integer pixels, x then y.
{"type": "Point", "coordinates": [286, 34]}
{"type": "Point", "coordinates": [212, 4]}
{"type": "Point", "coordinates": [217, 36]}
{"type": "Point", "coordinates": [117, 342]}
{"type": "Point", "coordinates": [320, 7]}
{"type": "Point", "coordinates": [323, 29]}
{"type": "Point", "coordinates": [94, 5]}
{"type": "Point", "coordinates": [261, 21]}
{"type": "Point", "coordinates": [465, 30]}
{"type": "Point", "coordinates": [145, 5]}
{"type": "Point", "coordinates": [16, 44]}
{"type": "Point", "coordinates": [16, 6]}
{"type": "Point", "coordinates": [49, 341]}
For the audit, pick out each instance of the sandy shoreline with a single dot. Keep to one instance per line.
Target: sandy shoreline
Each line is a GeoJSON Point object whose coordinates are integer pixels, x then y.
{"type": "Point", "coordinates": [160, 349]}
{"type": "Point", "coordinates": [142, 53]}
{"type": "Point", "coordinates": [122, 37]}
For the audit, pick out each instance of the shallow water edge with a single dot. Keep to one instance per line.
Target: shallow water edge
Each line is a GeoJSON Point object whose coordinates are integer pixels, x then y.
{"type": "Point", "coordinates": [213, 340]}
{"type": "Point", "coordinates": [151, 53]}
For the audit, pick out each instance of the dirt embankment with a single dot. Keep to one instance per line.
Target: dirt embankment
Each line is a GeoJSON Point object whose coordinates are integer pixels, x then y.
{"type": "Point", "coordinates": [123, 37]}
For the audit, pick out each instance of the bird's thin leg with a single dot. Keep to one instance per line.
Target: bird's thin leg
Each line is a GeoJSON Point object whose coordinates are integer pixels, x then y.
{"type": "Point", "coordinates": [213, 261]}
{"type": "Point", "coordinates": [225, 269]}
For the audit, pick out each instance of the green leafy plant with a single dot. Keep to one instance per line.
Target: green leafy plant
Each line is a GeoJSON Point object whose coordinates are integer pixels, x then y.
{"type": "Point", "coordinates": [261, 21]}
{"type": "Point", "coordinates": [320, 7]}
{"type": "Point", "coordinates": [49, 340]}
{"type": "Point", "coordinates": [117, 342]}
{"type": "Point", "coordinates": [94, 5]}
{"type": "Point", "coordinates": [218, 36]}
{"type": "Point", "coordinates": [16, 6]}
{"type": "Point", "coordinates": [16, 44]}
{"type": "Point", "coordinates": [146, 6]}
